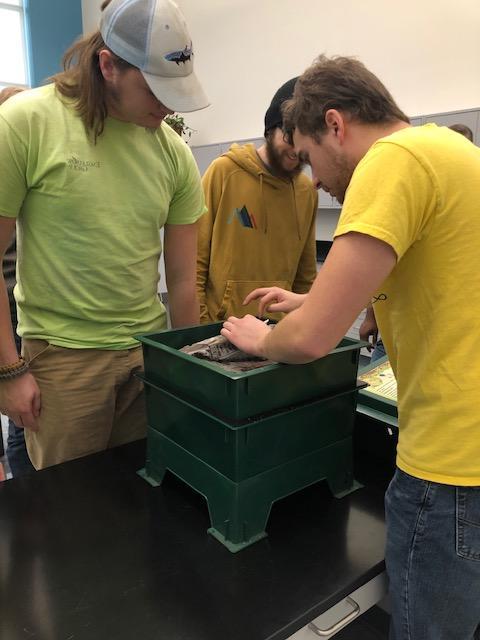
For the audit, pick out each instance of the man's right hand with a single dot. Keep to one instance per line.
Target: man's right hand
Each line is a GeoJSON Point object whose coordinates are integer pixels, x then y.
{"type": "Point", "coordinates": [274, 299]}
{"type": "Point", "coordinates": [369, 329]}
{"type": "Point", "coordinates": [20, 400]}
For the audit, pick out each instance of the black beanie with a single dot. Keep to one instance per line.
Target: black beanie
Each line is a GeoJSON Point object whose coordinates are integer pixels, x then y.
{"type": "Point", "coordinates": [273, 117]}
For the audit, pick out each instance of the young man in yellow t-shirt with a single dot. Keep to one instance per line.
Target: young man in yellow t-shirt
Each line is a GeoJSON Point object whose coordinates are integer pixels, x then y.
{"type": "Point", "coordinates": [408, 242]}
{"type": "Point", "coordinates": [369, 329]}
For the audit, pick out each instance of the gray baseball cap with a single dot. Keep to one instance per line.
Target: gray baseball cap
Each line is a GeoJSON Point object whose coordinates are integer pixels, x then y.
{"type": "Point", "coordinates": [153, 36]}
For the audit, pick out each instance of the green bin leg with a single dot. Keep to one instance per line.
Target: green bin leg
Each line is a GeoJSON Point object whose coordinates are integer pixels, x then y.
{"type": "Point", "coordinates": [237, 515]}
{"type": "Point", "coordinates": [339, 476]}
{"type": "Point", "coordinates": [239, 510]}
{"type": "Point", "coordinates": [155, 468]}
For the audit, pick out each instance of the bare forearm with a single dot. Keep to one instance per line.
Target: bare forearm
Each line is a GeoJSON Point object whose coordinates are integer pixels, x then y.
{"type": "Point", "coordinates": [370, 315]}
{"type": "Point", "coordinates": [184, 307]}
{"type": "Point", "coordinates": [180, 272]}
{"type": "Point", "coordinates": [8, 350]}
{"type": "Point", "coordinates": [291, 341]}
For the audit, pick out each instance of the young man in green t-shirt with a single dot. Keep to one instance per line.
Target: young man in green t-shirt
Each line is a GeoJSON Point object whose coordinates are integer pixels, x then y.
{"type": "Point", "coordinates": [407, 241]}
{"type": "Point", "coordinates": [90, 174]}
{"type": "Point", "coordinates": [16, 452]}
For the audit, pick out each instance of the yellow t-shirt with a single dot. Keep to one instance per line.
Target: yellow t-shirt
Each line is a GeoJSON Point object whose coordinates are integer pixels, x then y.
{"type": "Point", "coordinates": [419, 191]}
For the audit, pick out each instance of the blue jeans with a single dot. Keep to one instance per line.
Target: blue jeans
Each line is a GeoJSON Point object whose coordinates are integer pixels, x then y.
{"type": "Point", "coordinates": [17, 455]}
{"type": "Point", "coordinates": [378, 351]}
{"type": "Point", "coordinates": [433, 559]}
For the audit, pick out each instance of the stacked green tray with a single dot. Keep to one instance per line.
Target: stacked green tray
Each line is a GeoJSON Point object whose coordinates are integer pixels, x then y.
{"type": "Point", "coordinates": [240, 451]}
{"type": "Point", "coordinates": [237, 396]}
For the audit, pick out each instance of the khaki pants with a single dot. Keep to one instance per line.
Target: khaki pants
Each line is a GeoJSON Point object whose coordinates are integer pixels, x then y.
{"type": "Point", "coordinates": [90, 401]}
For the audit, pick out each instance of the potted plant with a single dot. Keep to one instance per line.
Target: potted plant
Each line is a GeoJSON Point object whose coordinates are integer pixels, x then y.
{"type": "Point", "coordinates": [177, 123]}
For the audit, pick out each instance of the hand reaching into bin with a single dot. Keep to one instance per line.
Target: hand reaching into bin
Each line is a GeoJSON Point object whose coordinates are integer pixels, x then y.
{"type": "Point", "coordinates": [274, 299]}
{"type": "Point", "coordinates": [247, 333]}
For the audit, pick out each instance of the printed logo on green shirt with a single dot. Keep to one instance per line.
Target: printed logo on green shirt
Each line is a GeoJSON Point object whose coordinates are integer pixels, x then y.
{"type": "Point", "coordinates": [81, 165]}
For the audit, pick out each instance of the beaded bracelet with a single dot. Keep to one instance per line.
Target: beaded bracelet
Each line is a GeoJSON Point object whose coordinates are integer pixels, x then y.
{"type": "Point", "coordinates": [15, 365]}
{"type": "Point", "coordinates": [13, 370]}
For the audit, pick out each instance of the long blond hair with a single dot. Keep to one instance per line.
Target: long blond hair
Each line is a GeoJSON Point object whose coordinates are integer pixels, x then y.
{"type": "Point", "coordinates": [83, 82]}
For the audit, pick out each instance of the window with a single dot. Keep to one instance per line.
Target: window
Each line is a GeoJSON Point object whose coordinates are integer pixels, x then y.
{"type": "Point", "coordinates": [13, 58]}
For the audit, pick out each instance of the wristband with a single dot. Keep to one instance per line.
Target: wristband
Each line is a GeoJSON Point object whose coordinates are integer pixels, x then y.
{"type": "Point", "coordinates": [13, 370]}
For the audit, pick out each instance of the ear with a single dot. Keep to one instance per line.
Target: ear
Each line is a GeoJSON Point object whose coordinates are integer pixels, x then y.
{"type": "Point", "coordinates": [335, 122]}
{"type": "Point", "coordinates": [107, 65]}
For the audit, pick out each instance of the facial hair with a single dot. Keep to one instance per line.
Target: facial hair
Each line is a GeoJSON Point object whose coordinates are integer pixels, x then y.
{"type": "Point", "coordinates": [344, 173]}
{"type": "Point", "coordinates": [275, 162]}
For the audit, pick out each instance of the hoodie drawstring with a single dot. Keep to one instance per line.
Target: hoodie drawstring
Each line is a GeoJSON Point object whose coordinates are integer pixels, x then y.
{"type": "Point", "coordinates": [264, 206]}
{"type": "Point", "coordinates": [297, 217]}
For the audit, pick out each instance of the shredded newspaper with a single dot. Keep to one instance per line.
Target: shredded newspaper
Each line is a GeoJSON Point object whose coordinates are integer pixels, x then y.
{"type": "Point", "coordinates": [218, 349]}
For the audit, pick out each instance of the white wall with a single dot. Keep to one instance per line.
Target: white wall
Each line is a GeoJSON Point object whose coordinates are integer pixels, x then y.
{"type": "Point", "coordinates": [90, 14]}
{"type": "Point", "coordinates": [427, 52]}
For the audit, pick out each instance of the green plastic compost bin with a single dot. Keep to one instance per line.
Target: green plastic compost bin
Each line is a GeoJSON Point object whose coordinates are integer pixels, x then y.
{"type": "Point", "coordinates": [245, 440]}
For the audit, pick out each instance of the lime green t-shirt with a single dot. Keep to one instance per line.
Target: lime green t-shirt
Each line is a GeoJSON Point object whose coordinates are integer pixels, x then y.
{"type": "Point", "coordinates": [419, 191]}
{"type": "Point", "coordinates": [89, 219]}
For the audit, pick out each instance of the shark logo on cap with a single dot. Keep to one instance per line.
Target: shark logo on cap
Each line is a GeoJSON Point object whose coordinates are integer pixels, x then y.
{"type": "Point", "coordinates": [151, 35]}
{"type": "Point", "coordinates": [180, 56]}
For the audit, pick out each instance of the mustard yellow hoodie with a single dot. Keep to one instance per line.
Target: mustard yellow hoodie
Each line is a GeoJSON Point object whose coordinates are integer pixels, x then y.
{"type": "Point", "coordinates": [259, 231]}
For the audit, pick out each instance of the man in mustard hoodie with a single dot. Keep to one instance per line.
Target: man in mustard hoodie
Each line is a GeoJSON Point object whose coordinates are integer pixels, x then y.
{"type": "Point", "coordinates": [260, 227]}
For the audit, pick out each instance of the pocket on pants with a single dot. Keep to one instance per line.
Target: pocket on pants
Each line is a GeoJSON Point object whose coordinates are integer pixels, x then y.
{"type": "Point", "coordinates": [468, 522]}
{"type": "Point", "coordinates": [33, 349]}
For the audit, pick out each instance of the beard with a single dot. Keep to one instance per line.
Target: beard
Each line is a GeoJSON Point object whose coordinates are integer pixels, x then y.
{"type": "Point", "coordinates": [344, 175]}
{"type": "Point", "coordinates": [275, 162]}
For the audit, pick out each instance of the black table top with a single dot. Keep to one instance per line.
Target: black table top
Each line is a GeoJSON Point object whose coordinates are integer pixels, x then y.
{"type": "Point", "coordinates": [89, 550]}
